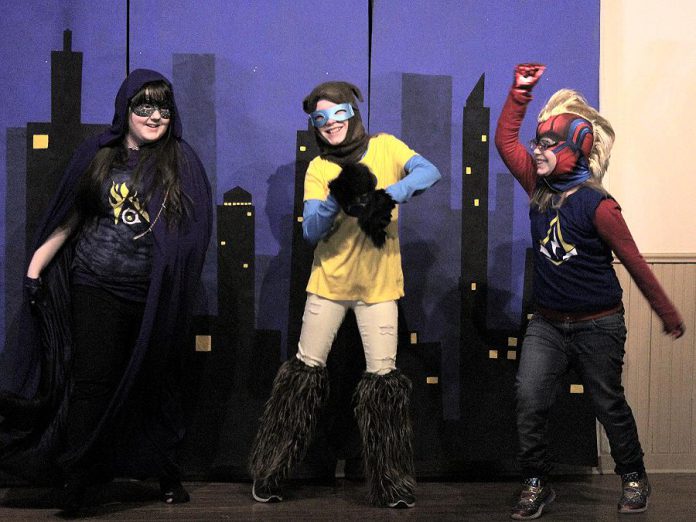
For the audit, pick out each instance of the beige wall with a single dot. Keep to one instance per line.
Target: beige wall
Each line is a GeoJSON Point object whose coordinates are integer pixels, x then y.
{"type": "Point", "coordinates": [659, 373]}
{"type": "Point", "coordinates": [648, 92]}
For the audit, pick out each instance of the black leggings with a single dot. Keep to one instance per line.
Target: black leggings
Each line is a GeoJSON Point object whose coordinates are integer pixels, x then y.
{"type": "Point", "coordinates": [105, 328]}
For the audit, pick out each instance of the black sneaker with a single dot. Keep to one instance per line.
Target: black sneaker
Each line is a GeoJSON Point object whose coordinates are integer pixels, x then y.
{"type": "Point", "coordinates": [173, 492]}
{"type": "Point", "coordinates": [636, 490]}
{"type": "Point", "coordinates": [403, 502]}
{"type": "Point", "coordinates": [266, 490]}
{"type": "Point", "coordinates": [536, 494]}
{"type": "Point", "coordinates": [72, 496]}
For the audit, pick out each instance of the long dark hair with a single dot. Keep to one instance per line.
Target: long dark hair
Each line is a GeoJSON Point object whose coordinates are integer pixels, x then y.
{"type": "Point", "coordinates": [164, 155]}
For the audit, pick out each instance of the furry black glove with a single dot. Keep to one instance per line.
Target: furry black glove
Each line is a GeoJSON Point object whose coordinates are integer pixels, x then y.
{"type": "Point", "coordinates": [376, 216]}
{"type": "Point", "coordinates": [352, 186]}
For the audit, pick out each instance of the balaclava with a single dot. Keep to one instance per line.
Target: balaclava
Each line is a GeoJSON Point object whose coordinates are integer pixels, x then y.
{"type": "Point", "coordinates": [353, 147]}
{"type": "Point", "coordinates": [575, 139]}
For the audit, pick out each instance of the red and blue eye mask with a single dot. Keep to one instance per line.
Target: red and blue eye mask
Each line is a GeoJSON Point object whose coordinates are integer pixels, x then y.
{"type": "Point", "coordinates": [574, 139]}
{"type": "Point", "coordinates": [341, 112]}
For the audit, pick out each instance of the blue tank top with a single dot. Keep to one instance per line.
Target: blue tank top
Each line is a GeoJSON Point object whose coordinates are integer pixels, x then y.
{"type": "Point", "coordinates": [573, 269]}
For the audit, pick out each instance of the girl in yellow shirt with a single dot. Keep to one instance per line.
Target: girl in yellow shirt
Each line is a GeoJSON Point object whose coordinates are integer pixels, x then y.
{"type": "Point", "coordinates": [350, 195]}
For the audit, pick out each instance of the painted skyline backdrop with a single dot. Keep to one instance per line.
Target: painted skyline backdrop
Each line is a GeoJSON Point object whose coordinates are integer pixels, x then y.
{"type": "Point", "coordinates": [239, 89]}
{"type": "Point", "coordinates": [240, 83]}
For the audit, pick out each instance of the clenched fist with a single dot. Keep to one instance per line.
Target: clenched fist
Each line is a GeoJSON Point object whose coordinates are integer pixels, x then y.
{"type": "Point", "coordinates": [527, 75]}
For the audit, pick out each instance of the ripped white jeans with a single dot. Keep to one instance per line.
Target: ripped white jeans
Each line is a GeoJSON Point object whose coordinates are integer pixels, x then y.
{"type": "Point", "coordinates": [377, 323]}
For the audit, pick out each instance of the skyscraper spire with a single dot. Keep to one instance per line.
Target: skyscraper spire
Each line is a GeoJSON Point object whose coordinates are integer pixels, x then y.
{"type": "Point", "coordinates": [66, 84]}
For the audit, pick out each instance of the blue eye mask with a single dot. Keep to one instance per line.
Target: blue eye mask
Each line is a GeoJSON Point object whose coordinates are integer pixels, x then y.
{"type": "Point", "coordinates": [341, 112]}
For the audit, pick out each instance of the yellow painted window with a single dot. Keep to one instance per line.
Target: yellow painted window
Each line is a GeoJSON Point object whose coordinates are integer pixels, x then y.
{"type": "Point", "coordinates": [204, 343]}
{"type": "Point", "coordinates": [40, 141]}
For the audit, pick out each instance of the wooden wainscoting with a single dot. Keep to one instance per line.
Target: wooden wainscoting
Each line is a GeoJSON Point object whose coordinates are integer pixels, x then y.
{"type": "Point", "coordinates": [659, 373]}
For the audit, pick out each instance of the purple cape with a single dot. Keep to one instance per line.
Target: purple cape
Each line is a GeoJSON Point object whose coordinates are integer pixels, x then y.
{"type": "Point", "coordinates": [143, 419]}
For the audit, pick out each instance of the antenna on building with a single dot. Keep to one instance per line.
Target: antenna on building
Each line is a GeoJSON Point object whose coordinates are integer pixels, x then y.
{"type": "Point", "coordinates": [67, 40]}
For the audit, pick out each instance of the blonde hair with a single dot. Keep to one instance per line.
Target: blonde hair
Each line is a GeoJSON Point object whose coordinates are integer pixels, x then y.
{"type": "Point", "coordinates": [568, 100]}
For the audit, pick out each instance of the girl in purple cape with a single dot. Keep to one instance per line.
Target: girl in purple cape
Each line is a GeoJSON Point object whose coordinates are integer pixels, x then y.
{"type": "Point", "coordinates": [115, 268]}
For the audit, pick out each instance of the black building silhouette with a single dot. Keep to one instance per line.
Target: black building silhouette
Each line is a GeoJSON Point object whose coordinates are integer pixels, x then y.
{"type": "Point", "coordinates": [256, 352]}
{"type": "Point", "coordinates": [46, 148]}
{"type": "Point", "coordinates": [194, 81]}
{"type": "Point", "coordinates": [490, 357]}
{"type": "Point", "coordinates": [474, 265]}
{"type": "Point", "coordinates": [233, 364]}
{"type": "Point", "coordinates": [430, 243]}
{"type": "Point", "coordinates": [235, 245]}
{"type": "Point", "coordinates": [50, 145]}
{"type": "Point", "coordinates": [306, 149]}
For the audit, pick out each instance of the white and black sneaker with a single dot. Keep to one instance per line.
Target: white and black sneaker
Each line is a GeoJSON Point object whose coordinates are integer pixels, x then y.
{"type": "Point", "coordinates": [266, 490]}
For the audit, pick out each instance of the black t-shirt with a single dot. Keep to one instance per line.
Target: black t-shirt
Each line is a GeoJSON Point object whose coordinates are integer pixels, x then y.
{"type": "Point", "coordinates": [107, 253]}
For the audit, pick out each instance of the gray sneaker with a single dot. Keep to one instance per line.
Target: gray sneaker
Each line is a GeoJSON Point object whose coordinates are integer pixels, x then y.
{"type": "Point", "coordinates": [636, 490]}
{"type": "Point", "coordinates": [535, 495]}
{"type": "Point", "coordinates": [403, 502]}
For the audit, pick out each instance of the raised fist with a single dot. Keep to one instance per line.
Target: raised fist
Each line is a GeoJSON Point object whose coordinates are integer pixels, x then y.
{"type": "Point", "coordinates": [527, 75]}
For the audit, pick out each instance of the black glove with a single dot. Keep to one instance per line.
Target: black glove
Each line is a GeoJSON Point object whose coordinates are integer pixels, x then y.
{"type": "Point", "coordinates": [376, 216]}
{"type": "Point", "coordinates": [352, 187]}
{"type": "Point", "coordinates": [34, 290]}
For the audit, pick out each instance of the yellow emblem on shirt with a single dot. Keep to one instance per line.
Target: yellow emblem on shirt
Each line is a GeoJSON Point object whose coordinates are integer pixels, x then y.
{"type": "Point", "coordinates": [126, 206]}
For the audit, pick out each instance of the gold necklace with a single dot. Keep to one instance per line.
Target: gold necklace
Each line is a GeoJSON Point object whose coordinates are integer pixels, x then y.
{"type": "Point", "coordinates": [154, 222]}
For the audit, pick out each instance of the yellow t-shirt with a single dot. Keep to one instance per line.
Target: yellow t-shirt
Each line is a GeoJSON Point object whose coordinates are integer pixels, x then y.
{"type": "Point", "coordinates": [347, 265]}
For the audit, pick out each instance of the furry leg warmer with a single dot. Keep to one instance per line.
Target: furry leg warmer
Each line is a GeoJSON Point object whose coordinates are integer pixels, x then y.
{"type": "Point", "coordinates": [289, 419]}
{"type": "Point", "coordinates": [382, 412]}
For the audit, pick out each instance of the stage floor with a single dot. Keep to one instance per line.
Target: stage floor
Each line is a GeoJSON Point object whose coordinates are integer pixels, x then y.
{"type": "Point", "coordinates": [591, 497]}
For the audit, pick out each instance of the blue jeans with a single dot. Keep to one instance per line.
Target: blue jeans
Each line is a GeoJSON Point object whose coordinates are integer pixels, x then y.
{"type": "Point", "coordinates": [595, 348]}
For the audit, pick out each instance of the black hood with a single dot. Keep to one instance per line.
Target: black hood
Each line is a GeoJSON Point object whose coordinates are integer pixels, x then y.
{"type": "Point", "coordinates": [129, 88]}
